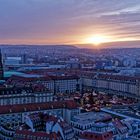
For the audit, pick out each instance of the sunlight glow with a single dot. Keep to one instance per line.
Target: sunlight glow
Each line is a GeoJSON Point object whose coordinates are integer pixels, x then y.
{"type": "Point", "coordinates": [97, 39]}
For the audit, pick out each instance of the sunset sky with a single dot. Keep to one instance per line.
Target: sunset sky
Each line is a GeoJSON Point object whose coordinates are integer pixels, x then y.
{"type": "Point", "coordinates": [69, 21]}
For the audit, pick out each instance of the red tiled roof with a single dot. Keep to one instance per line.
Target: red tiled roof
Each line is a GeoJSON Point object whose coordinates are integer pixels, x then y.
{"type": "Point", "coordinates": [19, 79]}
{"type": "Point", "coordinates": [25, 131]}
{"type": "Point", "coordinates": [97, 136]}
{"type": "Point", "coordinates": [49, 118]}
{"type": "Point", "coordinates": [28, 134]}
{"type": "Point", "coordinates": [112, 77]}
{"type": "Point", "coordinates": [70, 104]}
{"type": "Point", "coordinates": [119, 77]}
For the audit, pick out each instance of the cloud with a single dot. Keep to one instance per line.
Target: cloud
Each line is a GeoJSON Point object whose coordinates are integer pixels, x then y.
{"type": "Point", "coordinates": [64, 20]}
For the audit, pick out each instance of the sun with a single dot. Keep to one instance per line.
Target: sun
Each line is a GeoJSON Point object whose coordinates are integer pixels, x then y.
{"type": "Point", "coordinates": [97, 39]}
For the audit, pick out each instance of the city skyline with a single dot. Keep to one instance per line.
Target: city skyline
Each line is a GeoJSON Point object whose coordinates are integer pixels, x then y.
{"type": "Point", "coordinates": [69, 69]}
{"type": "Point", "coordinates": [69, 22]}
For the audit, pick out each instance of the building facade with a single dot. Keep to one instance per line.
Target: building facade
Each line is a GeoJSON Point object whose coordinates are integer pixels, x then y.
{"type": "Point", "coordinates": [44, 126]}
{"type": "Point", "coordinates": [25, 95]}
{"type": "Point", "coordinates": [56, 84]}
{"type": "Point", "coordinates": [113, 84]}
{"type": "Point", "coordinates": [12, 116]}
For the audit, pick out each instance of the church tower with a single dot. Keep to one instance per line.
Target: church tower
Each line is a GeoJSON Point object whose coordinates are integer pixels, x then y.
{"type": "Point", "coordinates": [1, 67]}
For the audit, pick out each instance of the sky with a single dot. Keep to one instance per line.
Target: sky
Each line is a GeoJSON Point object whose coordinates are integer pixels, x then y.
{"type": "Point", "coordinates": [69, 21]}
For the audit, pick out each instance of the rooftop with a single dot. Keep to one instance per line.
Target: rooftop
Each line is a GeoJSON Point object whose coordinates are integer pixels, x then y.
{"type": "Point", "coordinates": [131, 111]}
{"type": "Point", "coordinates": [27, 133]}
{"type": "Point", "coordinates": [8, 74]}
{"type": "Point", "coordinates": [7, 109]}
{"type": "Point", "coordinates": [41, 122]}
{"type": "Point", "coordinates": [96, 136]}
{"type": "Point", "coordinates": [89, 117]}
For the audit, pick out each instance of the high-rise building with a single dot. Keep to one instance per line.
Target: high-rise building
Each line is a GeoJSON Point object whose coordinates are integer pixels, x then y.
{"type": "Point", "coordinates": [1, 67]}
{"type": "Point", "coordinates": [23, 59]}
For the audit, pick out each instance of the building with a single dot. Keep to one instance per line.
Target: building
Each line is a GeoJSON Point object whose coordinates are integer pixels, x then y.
{"type": "Point", "coordinates": [96, 136]}
{"type": "Point", "coordinates": [25, 95]}
{"type": "Point", "coordinates": [12, 61]}
{"type": "Point", "coordinates": [12, 116]}
{"type": "Point", "coordinates": [56, 84]}
{"type": "Point", "coordinates": [1, 67]}
{"type": "Point", "coordinates": [40, 126]}
{"type": "Point", "coordinates": [104, 126]}
{"type": "Point", "coordinates": [131, 115]}
{"type": "Point", "coordinates": [112, 84]}
{"type": "Point", "coordinates": [91, 121]}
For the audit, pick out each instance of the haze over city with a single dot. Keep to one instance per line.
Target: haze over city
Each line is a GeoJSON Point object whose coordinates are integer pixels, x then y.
{"type": "Point", "coordinates": [69, 69]}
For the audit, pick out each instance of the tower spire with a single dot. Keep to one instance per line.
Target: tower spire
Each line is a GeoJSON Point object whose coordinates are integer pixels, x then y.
{"type": "Point", "coordinates": [1, 67]}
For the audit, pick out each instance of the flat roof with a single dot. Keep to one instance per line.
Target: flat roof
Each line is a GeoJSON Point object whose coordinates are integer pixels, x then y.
{"type": "Point", "coordinates": [130, 138]}
{"type": "Point", "coordinates": [89, 117]}
{"type": "Point", "coordinates": [10, 73]}
{"type": "Point", "coordinates": [132, 111]}
{"type": "Point", "coordinates": [31, 75]}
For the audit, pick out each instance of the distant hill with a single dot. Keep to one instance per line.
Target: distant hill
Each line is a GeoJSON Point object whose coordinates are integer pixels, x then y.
{"type": "Point", "coordinates": [18, 50]}
{"type": "Point", "coordinates": [36, 46]}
